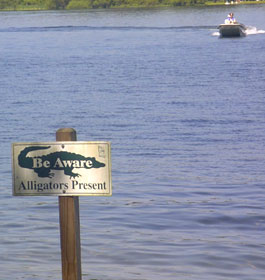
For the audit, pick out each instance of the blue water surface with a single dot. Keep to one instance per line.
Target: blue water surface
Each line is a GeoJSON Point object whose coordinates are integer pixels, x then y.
{"type": "Point", "coordinates": [185, 113]}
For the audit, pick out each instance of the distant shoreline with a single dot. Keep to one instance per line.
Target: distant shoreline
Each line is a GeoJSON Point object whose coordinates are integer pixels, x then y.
{"type": "Point", "coordinates": [84, 5]}
{"type": "Point", "coordinates": [208, 3]}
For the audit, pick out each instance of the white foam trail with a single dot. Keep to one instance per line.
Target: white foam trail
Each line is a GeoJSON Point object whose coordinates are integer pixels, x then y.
{"type": "Point", "coordinates": [216, 33]}
{"type": "Point", "coordinates": [251, 30]}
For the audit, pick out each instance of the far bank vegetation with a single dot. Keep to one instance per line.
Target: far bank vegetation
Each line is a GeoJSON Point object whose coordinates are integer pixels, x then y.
{"type": "Point", "coordinates": [99, 4]}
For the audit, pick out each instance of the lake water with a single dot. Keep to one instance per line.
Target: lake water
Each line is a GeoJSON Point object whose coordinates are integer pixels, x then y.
{"type": "Point", "coordinates": [185, 113]}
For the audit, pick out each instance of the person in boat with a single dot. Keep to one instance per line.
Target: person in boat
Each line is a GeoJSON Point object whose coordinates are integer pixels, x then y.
{"type": "Point", "coordinates": [230, 19]}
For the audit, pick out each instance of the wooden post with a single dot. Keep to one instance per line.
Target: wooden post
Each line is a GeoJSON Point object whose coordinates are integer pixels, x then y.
{"type": "Point", "coordinates": [69, 224]}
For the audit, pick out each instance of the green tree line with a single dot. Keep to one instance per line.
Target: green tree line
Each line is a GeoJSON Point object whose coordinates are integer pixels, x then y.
{"type": "Point", "coordinates": [90, 4]}
{"type": "Point", "coordinates": [97, 4]}
{"type": "Point", "coordinates": [78, 4]}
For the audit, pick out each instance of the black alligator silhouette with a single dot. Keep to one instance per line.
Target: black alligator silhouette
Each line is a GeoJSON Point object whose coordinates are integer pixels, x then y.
{"type": "Point", "coordinates": [61, 160]}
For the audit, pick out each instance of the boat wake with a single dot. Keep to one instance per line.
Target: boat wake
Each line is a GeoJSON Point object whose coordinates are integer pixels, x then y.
{"type": "Point", "coordinates": [216, 33]}
{"type": "Point", "coordinates": [251, 30]}
{"type": "Point", "coordinates": [100, 28]}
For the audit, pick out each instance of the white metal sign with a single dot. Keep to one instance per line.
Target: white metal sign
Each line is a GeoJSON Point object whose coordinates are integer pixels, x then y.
{"type": "Point", "coordinates": [62, 168]}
